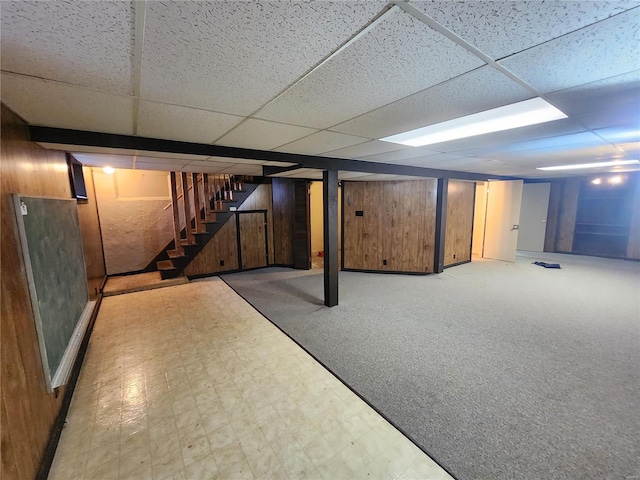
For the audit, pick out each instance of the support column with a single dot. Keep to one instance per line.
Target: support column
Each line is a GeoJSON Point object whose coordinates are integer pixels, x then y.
{"type": "Point", "coordinates": [441, 224]}
{"type": "Point", "coordinates": [330, 204]}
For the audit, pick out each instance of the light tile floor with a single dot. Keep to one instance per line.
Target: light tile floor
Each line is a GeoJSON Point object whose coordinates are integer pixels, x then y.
{"type": "Point", "coordinates": [190, 382]}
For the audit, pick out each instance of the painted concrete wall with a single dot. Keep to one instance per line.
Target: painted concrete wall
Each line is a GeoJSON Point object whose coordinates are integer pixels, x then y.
{"type": "Point", "coordinates": [135, 217]}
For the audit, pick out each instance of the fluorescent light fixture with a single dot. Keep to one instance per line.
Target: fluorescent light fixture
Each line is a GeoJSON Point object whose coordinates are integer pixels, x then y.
{"type": "Point", "coordinates": [109, 170]}
{"type": "Point", "coordinates": [576, 166]}
{"type": "Point", "coordinates": [521, 114]}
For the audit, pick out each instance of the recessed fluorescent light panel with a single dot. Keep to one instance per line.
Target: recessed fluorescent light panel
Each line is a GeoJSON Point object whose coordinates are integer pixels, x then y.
{"type": "Point", "coordinates": [577, 166]}
{"type": "Point", "coordinates": [521, 114]}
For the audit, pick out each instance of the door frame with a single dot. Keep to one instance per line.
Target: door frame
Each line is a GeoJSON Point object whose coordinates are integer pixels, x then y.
{"type": "Point", "coordinates": [239, 240]}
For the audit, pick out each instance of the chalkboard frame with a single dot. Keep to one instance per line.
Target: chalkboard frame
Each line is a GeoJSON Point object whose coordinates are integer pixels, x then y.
{"type": "Point", "coordinates": [56, 375]}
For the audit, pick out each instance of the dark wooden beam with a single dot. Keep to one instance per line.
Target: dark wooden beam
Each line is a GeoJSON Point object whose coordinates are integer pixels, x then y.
{"type": "Point", "coordinates": [68, 138]}
{"type": "Point", "coordinates": [441, 225]}
{"type": "Point", "coordinates": [330, 201]}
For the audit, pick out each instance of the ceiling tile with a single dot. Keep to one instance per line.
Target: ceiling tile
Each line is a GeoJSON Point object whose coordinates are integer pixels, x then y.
{"type": "Point", "coordinates": [262, 135]}
{"type": "Point", "coordinates": [343, 175]}
{"type": "Point", "coordinates": [398, 156]}
{"type": "Point", "coordinates": [171, 155]}
{"type": "Point", "coordinates": [159, 166]}
{"type": "Point", "coordinates": [558, 155]}
{"type": "Point", "coordinates": [53, 104]}
{"type": "Point", "coordinates": [184, 124]}
{"type": "Point", "coordinates": [364, 149]}
{"type": "Point", "coordinates": [606, 49]}
{"type": "Point", "coordinates": [501, 28]}
{"type": "Point", "coordinates": [81, 43]}
{"type": "Point", "coordinates": [102, 160]}
{"type": "Point", "coordinates": [397, 57]}
{"type": "Point", "coordinates": [472, 92]}
{"type": "Point", "coordinates": [321, 142]}
{"type": "Point", "coordinates": [244, 170]}
{"type": "Point", "coordinates": [235, 56]}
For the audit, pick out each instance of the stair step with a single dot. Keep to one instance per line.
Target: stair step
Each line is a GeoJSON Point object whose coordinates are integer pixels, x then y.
{"type": "Point", "coordinates": [185, 243]}
{"type": "Point", "coordinates": [175, 254]}
{"type": "Point", "coordinates": [165, 265]}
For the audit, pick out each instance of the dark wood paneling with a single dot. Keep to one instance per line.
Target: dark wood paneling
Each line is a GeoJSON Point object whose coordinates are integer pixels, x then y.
{"type": "Point", "coordinates": [28, 410]}
{"type": "Point", "coordinates": [261, 199]}
{"type": "Point", "coordinates": [222, 247]}
{"type": "Point", "coordinates": [302, 226]}
{"type": "Point", "coordinates": [553, 213]}
{"type": "Point", "coordinates": [253, 246]}
{"type": "Point", "coordinates": [283, 212]}
{"type": "Point", "coordinates": [459, 228]}
{"type": "Point", "coordinates": [567, 215]}
{"type": "Point", "coordinates": [397, 225]}
{"type": "Point", "coordinates": [633, 247]}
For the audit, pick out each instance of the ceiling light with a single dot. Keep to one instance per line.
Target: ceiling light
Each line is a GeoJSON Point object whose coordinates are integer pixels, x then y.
{"type": "Point", "coordinates": [590, 165]}
{"type": "Point", "coordinates": [109, 170]}
{"type": "Point", "coordinates": [616, 179]}
{"type": "Point", "coordinates": [521, 114]}
{"type": "Point", "coordinates": [596, 181]}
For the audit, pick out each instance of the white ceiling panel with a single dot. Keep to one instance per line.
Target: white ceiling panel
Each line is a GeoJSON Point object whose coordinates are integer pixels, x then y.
{"type": "Point", "coordinates": [235, 56]}
{"type": "Point", "coordinates": [342, 175]}
{"type": "Point", "coordinates": [185, 124]}
{"type": "Point", "coordinates": [473, 92]}
{"type": "Point", "coordinates": [321, 142]}
{"type": "Point", "coordinates": [399, 156]}
{"type": "Point", "coordinates": [82, 43]}
{"type": "Point", "coordinates": [501, 28]}
{"type": "Point", "coordinates": [244, 170]}
{"type": "Point", "coordinates": [262, 135]}
{"type": "Point", "coordinates": [606, 49]}
{"type": "Point", "coordinates": [440, 158]}
{"type": "Point", "coordinates": [103, 160]}
{"type": "Point", "coordinates": [558, 155]}
{"type": "Point", "coordinates": [159, 166]}
{"type": "Point", "coordinates": [365, 149]}
{"type": "Point", "coordinates": [53, 104]}
{"type": "Point", "coordinates": [397, 57]}
{"type": "Point", "coordinates": [170, 155]}
{"type": "Point", "coordinates": [621, 90]}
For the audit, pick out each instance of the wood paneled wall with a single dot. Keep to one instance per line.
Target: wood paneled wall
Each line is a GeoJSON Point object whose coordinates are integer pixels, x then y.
{"type": "Point", "coordinates": [261, 199]}
{"type": "Point", "coordinates": [283, 191]}
{"type": "Point", "coordinates": [567, 215]}
{"type": "Point", "coordinates": [459, 227]}
{"type": "Point", "coordinates": [397, 225]}
{"type": "Point", "coordinates": [553, 214]}
{"type": "Point", "coordinates": [28, 410]}
{"type": "Point", "coordinates": [222, 247]}
{"type": "Point", "coordinates": [91, 237]}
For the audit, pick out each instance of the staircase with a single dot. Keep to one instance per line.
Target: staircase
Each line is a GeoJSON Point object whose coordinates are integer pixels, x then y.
{"type": "Point", "coordinates": [205, 200]}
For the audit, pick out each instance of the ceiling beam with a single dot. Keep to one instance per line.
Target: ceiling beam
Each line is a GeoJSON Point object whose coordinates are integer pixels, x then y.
{"type": "Point", "coordinates": [129, 142]}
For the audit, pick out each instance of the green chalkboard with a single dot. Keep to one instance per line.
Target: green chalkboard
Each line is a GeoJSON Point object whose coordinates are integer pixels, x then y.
{"type": "Point", "coordinates": [54, 259]}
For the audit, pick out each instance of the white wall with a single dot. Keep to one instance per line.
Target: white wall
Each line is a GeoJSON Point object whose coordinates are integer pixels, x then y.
{"type": "Point", "coordinates": [317, 225]}
{"type": "Point", "coordinates": [135, 221]}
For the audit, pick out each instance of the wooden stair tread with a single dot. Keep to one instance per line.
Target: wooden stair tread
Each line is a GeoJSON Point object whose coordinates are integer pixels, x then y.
{"type": "Point", "coordinates": [186, 243]}
{"type": "Point", "coordinates": [175, 254]}
{"type": "Point", "coordinates": [165, 265]}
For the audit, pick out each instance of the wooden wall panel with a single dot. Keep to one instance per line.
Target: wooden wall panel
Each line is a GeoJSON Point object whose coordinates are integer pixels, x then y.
{"type": "Point", "coordinates": [567, 215]}
{"type": "Point", "coordinates": [252, 240]}
{"type": "Point", "coordinates": [28, 410]}
{"type": "Point", "coordinates": [222, 247]}
{"type": "Point", "coordinates": [91, 237]}
{"type": "Point", "coordinates": [552, 216]}
{"type": "Point", "coordinates": [261, 199]}
{"type": "Point", "coordinates": [283, 212]}
{"type": "Point", "coordinates": [397, 225]}
{"type": "Point", "coordinates": [633, 245]}
{"type": "Point", "coordinates": [459, 228]}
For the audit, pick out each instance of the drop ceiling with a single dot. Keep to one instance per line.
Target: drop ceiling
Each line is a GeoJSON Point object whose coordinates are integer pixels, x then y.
{"type": "Point", "coordinates": [327, 78]}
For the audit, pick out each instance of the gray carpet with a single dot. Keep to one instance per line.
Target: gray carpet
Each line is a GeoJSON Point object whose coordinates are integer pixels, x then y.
{"type": "Point", "coordinates": [497, 370]}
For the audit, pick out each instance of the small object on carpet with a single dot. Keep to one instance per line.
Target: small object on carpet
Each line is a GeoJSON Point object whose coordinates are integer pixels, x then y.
{"type": "Point", "coordinates": [547, 265]}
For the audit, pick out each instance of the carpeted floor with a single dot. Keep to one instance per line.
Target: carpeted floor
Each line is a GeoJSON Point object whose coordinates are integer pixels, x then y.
{"type": "Point", "coordinates": [498, 370]}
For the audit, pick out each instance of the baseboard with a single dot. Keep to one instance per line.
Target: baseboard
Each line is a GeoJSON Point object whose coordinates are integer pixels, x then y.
{"type": "Point", "coordinates": [392, 272]}
{"type": "Point", "coordinates": [456, 264]}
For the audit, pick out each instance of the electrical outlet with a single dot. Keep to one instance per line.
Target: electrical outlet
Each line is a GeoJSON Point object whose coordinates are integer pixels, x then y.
{"type": "Point", "coordinates": [222, 263]}
{"type": "Point", "coordinates": [384, 262]}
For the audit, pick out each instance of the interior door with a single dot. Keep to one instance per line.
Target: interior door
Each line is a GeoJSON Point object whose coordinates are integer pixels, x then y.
{"type": "Point", "coordinates": [533, 216]}
{"type": "Point", "coordinates": [252, 233]}
{"type": "Point", "coordinates": [503, 217]}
